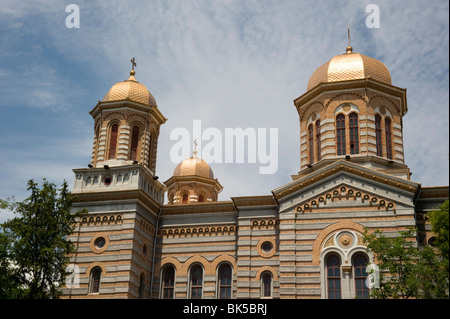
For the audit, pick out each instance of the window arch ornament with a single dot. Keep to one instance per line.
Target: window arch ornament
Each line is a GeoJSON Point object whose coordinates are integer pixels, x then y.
{"type": "Point", "coordinates": [344, 275]}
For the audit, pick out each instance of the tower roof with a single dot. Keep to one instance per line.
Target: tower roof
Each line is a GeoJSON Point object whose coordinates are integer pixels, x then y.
{"type": "Point", "coordinates": [131, 90]}
{"type": "Point", "coordinates": [349, 66]}
{"type": "Point", "coordinates": [194, 166]}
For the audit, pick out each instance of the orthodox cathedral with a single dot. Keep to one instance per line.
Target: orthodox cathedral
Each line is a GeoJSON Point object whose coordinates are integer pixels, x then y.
{"type": "Point", "coordinates": [300, 240]}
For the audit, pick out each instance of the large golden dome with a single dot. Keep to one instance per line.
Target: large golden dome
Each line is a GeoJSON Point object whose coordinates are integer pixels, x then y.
{"type": "Point", "coordinates": [130, 90]}
{"type": "Point", "coordinates": [194, 166]}
{"type": "Point", "coordinates": [350, 66]}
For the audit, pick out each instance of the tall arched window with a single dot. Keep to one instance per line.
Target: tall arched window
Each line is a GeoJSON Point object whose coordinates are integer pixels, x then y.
{"type": "Point", "coordinates": [141, 286]}
{"type": "Point", "coordinates": [378, 135]}
{"type": "Point", "coordinates": [95, 278]}
{"type": "Point", "coordinates": [387, 122]}
{"type": "Point", "coordinates": [196, 282]}
{"type": "Point", "coordinates": [354, 133]}
{"type": "Point", "coordinates": [113, 141]}
{"type": "Point", "coordinates": [333, 264]}
{"type": "Point", "coordinates": [319, 152]}
{"type": "Point", "coordinates": [311, 143]}
{"type": "Point", "coordinates": [225, 278]}
{"type": "Point", "coordinates": [201, 198]}
{"type": "Point", "coordinates": [185, 198]}
{"type": "Point", "coordinates": [150, 151]}
{"type": "Point", "coordinates": [168, 282]}
{"type": "Point", "coordinates": [266, 280]}
{"type": "Point", "coordinates": [340, 134]}
{"type": "Point", "coordinates": [360, 262]}
{"type": "Point", "coordinates": [134, 142]}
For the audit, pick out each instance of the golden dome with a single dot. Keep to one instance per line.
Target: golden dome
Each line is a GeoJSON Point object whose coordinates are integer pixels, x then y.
{"type": "Point", "coordinates": [350, 66]}
{"type": "Point", "coordinates": [131, 90]}
{"type": "Point", "coordinates": [194, 166]}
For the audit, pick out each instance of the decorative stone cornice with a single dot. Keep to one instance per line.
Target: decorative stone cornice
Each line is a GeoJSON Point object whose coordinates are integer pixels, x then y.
{"type": "Point", "coordinates": [347, 167]}
{"type": "Point", "coordinates": [210, 230]}
{"type": "Point", "coordinates": [345, 193]}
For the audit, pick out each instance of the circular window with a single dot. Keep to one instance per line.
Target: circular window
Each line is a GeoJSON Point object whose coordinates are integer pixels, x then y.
{"type": "Point", "coordinates": [100, 242]}
{"type": "Point", "coordinates": [267, 246]}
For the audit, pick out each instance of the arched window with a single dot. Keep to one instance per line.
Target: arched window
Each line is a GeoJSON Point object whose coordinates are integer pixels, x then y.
{"type": "Point", "coordinates": [141, 286]}
{"type": "Point", "coordinates": [311, 143]}
{"type": "Point", "coordinates": [95, 278]}
{"type": "Point", "coordinates": [196, 282]}
{"type": "Point", "coordinates": [266, 280]}
{"type": "Point", "coordinates": [354, 134]}
{"type": "Point", "coordinates": [360, 262]}
{"type": "Point", "coordinates": [134, 142]}
{"type": "Point", "coordinates": [333, 265]}
{"type": "Point", "coordinates": [224, 274]}
{"type": "Point", "coordinates": [340, 134]}
{"type": "Point", "coordinates": [319, 152]}
{"type": "Point", "coordinates": [113, 141]}
{"type": "Point", "coordinates": [387, 122]}
{"type": "Point", "coordinates": [185, 198]}
{"type": "Point", "coordinates": [150, 151]}
{"type": "Point", "coordinates": [201, 198]}
{"type": "Point", "coordinates": [378, 135]}
{"type": "Point", "coordinates": [168, 283]}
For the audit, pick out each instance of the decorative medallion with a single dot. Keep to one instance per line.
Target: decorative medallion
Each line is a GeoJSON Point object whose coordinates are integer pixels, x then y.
{"type": "Point", "coordinates": [346, 107]}
{"type": "Point", "coordinates": [345, 240]}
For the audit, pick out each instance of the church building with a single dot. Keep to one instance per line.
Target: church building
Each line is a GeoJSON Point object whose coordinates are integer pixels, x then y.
{"type": "Point", "coordinates": [300, 240]}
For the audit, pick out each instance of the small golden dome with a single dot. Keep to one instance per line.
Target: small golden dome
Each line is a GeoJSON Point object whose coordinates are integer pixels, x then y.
{"type": "Point", "coordinates": [131, 90]}
{"type": "Point", "coordinates": [194, 166]}
{"type": "Point", "coordinates": [350, 66]}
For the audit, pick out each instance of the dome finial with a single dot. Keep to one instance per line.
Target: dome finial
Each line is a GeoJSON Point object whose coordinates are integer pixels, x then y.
{"type": "Point", "coordinates": [133, 64]}
{"type": "Point", "coordinates": [349, 47]}
{"type": "Point", "coordinates": [194, 152]}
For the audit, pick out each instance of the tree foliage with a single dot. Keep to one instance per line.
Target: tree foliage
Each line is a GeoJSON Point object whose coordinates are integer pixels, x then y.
{"type": "Point", "coordinates": [407, 271]}
{"type": "Point", "coordinates": [34, 245]}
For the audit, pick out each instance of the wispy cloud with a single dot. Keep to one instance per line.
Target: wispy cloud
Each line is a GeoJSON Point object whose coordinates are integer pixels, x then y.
{"type": "Point", "coordinates": [229, 63]}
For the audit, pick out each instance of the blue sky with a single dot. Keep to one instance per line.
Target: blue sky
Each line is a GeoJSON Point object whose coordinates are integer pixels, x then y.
{"type": "Point", "coordinates": [228, 63]}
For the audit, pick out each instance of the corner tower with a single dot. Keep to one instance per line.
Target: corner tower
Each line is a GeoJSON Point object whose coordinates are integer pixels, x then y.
{"type": "Point", "coordinates": [352, 111]}
{"type": "Point", "coordinates": [126, 127]}
{"type": "Point", "coordinates": [116, 240]}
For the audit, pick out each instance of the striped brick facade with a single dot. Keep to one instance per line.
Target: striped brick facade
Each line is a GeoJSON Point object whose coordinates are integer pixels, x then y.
{"type": "Point", "coordinates": [133, 245]}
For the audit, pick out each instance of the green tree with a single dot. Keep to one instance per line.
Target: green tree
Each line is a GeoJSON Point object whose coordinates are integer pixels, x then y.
{"type": "Point", "coordinates": [439, 220]}
{"type": "Point", "coordinates": [395, 258]}
{"type": "Point", "coordinates": [34, 245]}
{"type": "Point", "coordinates": [407, 271]}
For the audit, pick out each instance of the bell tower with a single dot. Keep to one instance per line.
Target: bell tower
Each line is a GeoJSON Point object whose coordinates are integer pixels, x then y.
{"type": "Point", "coordinates": [122, 194]}
{"type": "Point", "coordinates": [351, 111]}
{"type": "Point", "coordinates": [126, 127]}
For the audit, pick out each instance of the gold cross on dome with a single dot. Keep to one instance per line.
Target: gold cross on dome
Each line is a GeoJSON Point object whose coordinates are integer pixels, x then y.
{"type": "Point", "coordinates": [195, 144]}
{"type": "Point", "coordinates": [133, 63]}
